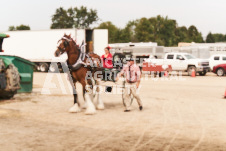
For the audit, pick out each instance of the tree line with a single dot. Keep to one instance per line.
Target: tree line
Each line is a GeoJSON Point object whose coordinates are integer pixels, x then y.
{"type": "Point", "coordinates": [20, 27]}
{"type": "Point", "coordinates": [212, 38]}
{"type": "Point", "coordinates": [158, 29]}
{"type": "Point", "coordinates": [162, 30]}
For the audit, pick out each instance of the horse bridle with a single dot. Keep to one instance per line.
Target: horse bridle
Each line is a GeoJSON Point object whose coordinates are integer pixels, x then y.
{"type": "Point", "coordinates": [66, 44]}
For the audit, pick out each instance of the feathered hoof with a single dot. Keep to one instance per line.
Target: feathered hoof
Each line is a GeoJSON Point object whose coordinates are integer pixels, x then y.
{"type": "Point", "coordinates": [90, 111]}
{"type": "Point", "coordinates": [74, 109]}
{"type": "Point", "coordinates": [100, 106]}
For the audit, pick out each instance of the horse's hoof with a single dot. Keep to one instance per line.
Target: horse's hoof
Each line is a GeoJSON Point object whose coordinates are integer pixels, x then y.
{"type": "Point", "coordinates": [90, 111]}
{"type": "Point", "coordinates": [141, 107]}
{"type": "Point", "coordinates": [100, 106]}
{"type": "Point", "coordinates": [74, 109]}
{"type": "Point", "coordinates": [126, 110]}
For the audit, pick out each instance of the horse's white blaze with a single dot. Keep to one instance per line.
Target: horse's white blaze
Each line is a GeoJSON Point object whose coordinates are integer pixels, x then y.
{"type": "Point", "coordinates": [90, 107]}
{"type": "Point", "coordinates": [75, 108]}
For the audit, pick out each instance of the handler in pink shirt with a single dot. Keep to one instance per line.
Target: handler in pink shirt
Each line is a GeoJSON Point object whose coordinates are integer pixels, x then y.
{"type": "Point", "coordinates": [132, 74]}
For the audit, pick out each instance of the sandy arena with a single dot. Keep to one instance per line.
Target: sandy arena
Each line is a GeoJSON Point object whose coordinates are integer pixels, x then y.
{"type": "Point", "coordinates": [186, 115]}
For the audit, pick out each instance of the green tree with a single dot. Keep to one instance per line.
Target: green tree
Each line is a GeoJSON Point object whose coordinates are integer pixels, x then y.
{"type": "Point", "coordinates": [128, 34]}
{"type": "Point", "coordinates": [219, 37]}
{"type": "Point", "coordinates": [143, 30]}
{"type": "Point", "coordinates": [157, 23]}
{"type": "Point", "coordinates": [168, 32]}
{"type": "Point", "coordinates": [74, 17]}
{"type": "Point", "coordinates": [210, 38]}
{"type": "Point", "coordinates": [23, 27]}
{"type": "Point", "coordinates": [61, 19]}
{"type": "Point", "coordinates": [83, 17]}
{"type": "Point", "coordinates": [182, 34]}
{"type": "Point", "coordinates": [157, 29]}
{"type": "Point", "coordinates": [12, 28]}
{"type": "Point", "coordinates": [194, 34]}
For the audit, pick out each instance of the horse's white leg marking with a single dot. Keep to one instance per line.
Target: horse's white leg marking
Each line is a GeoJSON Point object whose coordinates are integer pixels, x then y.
{"type": "Point", "coordinates": [75, 108]}
{"type": "Point", "coordinates": [100, 104]}
{"type": "Point", "coordinates": [90, 107]}
{"type": "Point", "coordinates": [84, 106]}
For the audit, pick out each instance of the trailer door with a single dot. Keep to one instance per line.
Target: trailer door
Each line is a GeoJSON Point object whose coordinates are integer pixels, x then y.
{"type": "Point", "coordinates": [100, 40]}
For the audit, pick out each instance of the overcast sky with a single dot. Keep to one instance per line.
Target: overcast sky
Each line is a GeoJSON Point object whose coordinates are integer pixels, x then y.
{"type": "Point", "coordinates": [206, 15]}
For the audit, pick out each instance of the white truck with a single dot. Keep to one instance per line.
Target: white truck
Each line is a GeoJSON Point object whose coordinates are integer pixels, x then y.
{"type": "Point", "coordinates": [183, 62]}
{"type": "Point", "coordinates": [216, 60]}
{"type": "Point", "coordinates": [39, 46]}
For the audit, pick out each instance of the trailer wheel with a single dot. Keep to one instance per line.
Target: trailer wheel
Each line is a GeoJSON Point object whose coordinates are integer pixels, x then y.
{"type": "Point", "coordinates": [44, 67]}
{"type": "Point", "coordinates": [53, 68]}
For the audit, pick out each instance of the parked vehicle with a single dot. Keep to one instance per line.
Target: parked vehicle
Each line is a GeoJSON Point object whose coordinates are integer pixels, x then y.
{"type": "Point", "coordinates": [39, 46]}
{"type": "Point", "coordinates": [9, 80]}
{"type": "Point", "coordinates": [220, 69]}
{"type": "Point", "coordinates": [9, 75]}
{"type": "Point", "coordinates": [217, 59]}
{"type": "Point", "coordinates": [183, 62]}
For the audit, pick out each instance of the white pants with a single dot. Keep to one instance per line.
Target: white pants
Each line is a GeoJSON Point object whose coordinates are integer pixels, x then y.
{"type": "Point", "coordinates": [130, 89]}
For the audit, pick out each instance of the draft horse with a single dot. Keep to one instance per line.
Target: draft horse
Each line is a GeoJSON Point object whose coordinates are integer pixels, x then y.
{"type": "Point", "coordinates": [80, 64]}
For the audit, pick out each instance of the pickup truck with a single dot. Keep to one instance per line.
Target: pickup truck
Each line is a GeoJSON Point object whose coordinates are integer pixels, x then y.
{"type": "Point", "coordinates": [216, 60]}
{"type": "Point", "coordinates": [183, 62]}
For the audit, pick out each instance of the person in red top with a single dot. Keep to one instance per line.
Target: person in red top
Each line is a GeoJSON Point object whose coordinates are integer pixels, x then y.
{"type": "Point", "coordinates": [107, 59]}
{"type": "Point", "coordinates": [107, 65]}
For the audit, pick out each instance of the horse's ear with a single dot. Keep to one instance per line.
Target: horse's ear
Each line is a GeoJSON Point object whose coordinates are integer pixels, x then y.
{"type": "Point", "coordinates": [70, 35]}
{"type": "Point", "coordinates": [64, 34]}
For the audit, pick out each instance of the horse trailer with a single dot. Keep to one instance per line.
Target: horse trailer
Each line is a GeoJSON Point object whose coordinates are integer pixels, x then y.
{"type": "Point", "coordinates": [139, 52]}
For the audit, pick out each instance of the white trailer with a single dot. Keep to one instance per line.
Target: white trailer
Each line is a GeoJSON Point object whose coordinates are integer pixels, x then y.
{"type": "Point", "coordinates": [39, 46]}
{"type": "Point", "coordinates": [197, 51]}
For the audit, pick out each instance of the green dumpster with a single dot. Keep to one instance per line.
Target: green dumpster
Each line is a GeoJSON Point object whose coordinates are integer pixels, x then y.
{"type": "Point", "coordinates": [25, 69]}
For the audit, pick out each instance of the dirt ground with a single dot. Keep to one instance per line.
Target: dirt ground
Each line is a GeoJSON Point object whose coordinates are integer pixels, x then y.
{"type": "Point", "coordinates": [183, 114]}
